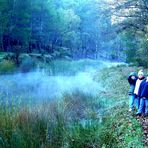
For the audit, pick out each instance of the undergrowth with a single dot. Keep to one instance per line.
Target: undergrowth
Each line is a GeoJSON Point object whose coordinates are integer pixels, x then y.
{"type": "Point", "coordinates": [76, 120]}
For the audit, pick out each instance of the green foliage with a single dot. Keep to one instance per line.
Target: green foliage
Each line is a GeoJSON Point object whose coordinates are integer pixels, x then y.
{"type": "Point", "coordinates": [44, 25]}
{"type": "Point", "coordinates": [142, 52]}
{"type": "Point", "coordinates": [7, 66]}
{"type": "Point", "coordinates": [27, 64]}
{"type": "Point", "coordinates": [134, 31]}
{"type": "Point", "coordinates": [141, 62]}
{"type": "Point", "coordinates": [87, 29]}
{"type": "Point", "coordinates": [73, 120]}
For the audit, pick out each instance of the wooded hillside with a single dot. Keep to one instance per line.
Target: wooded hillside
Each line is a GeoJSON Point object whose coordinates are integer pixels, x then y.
{"type": "Point", "coordinates": [115, 30]}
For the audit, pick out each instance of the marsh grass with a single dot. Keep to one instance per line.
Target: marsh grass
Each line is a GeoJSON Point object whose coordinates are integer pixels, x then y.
{"type": "Point", "coordinates": [7, 66]}
{"type": "Point", "coordinates": [58, 123]}
{"type": "Point", "coordinates": [73, 121]}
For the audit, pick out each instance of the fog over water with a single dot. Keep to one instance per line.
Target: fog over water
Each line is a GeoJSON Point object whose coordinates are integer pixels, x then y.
{"type": "Point", "coordinates": [39, 86]}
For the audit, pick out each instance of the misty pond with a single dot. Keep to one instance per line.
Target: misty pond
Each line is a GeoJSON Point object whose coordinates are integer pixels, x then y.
{"type": "Point", "coordinates": [51, 82]}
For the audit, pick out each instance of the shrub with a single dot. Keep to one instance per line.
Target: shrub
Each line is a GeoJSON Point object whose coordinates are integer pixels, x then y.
{"type": "Point", "coordinates": [7, 66]}
{"type": "Point", "coordinates": [142, 62]}
{"type": "Point", "coordinates": [27, 64]}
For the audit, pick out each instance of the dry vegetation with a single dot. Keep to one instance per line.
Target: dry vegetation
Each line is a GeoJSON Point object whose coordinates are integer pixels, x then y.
{"type": "Point", "coordinates": [76, 120]}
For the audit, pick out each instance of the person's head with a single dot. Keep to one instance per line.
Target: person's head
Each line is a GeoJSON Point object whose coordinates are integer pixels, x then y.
{"type": "Point", "coordinates": [140, 74]}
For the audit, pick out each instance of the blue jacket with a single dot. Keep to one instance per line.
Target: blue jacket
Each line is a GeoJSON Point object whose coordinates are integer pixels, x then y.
{"type": "Point", "coordinates": [141, 88]}
{"type": "Point", "coordinates": [144, 92]}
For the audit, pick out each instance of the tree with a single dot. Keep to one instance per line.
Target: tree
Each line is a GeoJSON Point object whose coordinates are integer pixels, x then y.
{"type": "Point", "coordinates": [4, 19]}
{"type": "Point", "coordinates": [130, 18]}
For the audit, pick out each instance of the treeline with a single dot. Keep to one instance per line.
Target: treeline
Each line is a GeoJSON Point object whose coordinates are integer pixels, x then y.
{"type": "Point", "coordinates": [131, 23]}
{"type": "Point", "coordinates": [76, 28]}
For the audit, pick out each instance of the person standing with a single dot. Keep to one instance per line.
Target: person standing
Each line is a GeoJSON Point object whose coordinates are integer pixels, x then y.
{"type": "Point", "coordinates": [136, 90]}
{"type": "Point", "coordinates": [132, 78]}
{"type": "Point", "coordinates": [143, 94]}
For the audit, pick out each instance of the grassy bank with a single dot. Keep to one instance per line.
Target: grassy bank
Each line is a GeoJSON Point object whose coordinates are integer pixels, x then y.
{"type": "Point", "coordinates": [77, 120]}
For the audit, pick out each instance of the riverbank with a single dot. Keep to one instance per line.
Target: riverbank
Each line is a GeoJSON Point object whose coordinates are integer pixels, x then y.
{"type": "Point", "coordinates": [126, 127]}
{"type": "Point", "coordinates": [12, 63]}
{"type": "Point", "coordinates": [77, 119]}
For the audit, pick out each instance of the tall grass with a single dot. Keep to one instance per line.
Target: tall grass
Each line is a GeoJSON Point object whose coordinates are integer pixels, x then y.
{"type": "Point", "coordinates": [70, 122]}
{"type": "Point", "coordinates": [7, 66]}
{"type": "Point", "coordinates": [77, 120]}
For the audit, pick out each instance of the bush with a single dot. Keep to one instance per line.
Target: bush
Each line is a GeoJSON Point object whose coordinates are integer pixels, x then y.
{"type": "Point", "coordinates": [142, 62]}
{"type": "Point", "coordinates": [7, 66]}
{"type": "Point", "coordinates": [27, 64]}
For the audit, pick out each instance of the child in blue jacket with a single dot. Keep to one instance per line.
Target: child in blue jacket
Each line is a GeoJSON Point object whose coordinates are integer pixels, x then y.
{"type": "Point", "coordinates": [143, 93]}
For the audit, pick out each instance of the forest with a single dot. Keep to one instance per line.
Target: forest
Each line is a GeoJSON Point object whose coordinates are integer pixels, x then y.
{"type": "Point", "coordinates": [116, 30]}
{"type": "Point", "coordinates": [65, 70]}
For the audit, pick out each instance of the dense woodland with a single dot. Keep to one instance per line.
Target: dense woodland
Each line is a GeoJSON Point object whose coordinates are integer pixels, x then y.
{"type": "Point", "coordinates": [115, 30]}
{"type": "Point", "coordinates": [57, 90]}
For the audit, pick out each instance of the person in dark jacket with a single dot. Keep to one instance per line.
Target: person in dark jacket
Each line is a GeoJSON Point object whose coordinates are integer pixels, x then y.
{"type": "Point", "coordinates": [143, 94]}
{"type": "Point", "coordinates": [132, 81]}
{"type": "Point", "coordinates": [140, 79]}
